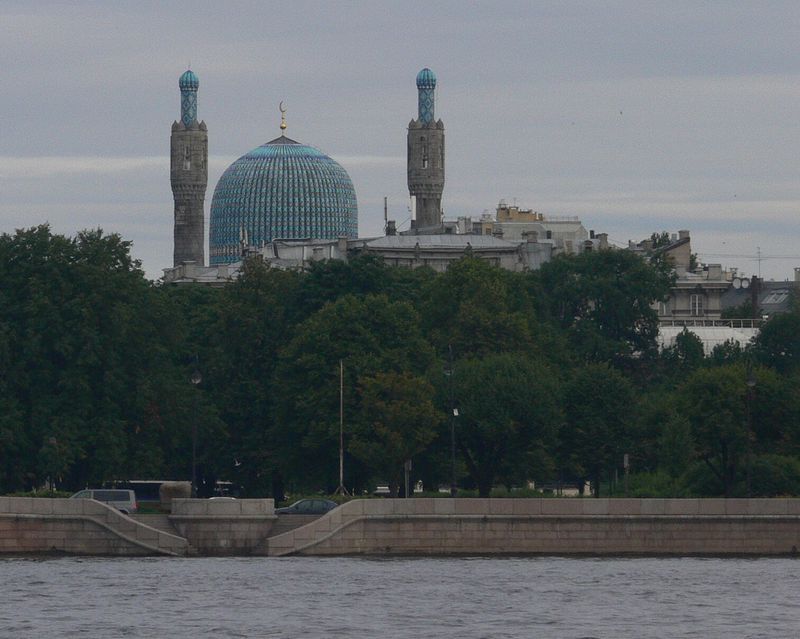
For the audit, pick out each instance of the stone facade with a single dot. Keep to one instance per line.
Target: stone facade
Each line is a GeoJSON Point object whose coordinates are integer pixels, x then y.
{"type": "Point", "coordinates": [550, 526]}
{"type": "Point", "coordinates": [223, 527]}
{"type": "Point", "coordinates": [189, 177]}
{"type": "Point", "coordinates": [78, 526]}
{"type": "Point", "coordinates": [426, 156]}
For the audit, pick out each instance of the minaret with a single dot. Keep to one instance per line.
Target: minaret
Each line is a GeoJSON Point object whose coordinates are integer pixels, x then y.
{"type": "Point", "coordinates": [189, 175]}
{"type": "Point", "coordinates": [426, 156]}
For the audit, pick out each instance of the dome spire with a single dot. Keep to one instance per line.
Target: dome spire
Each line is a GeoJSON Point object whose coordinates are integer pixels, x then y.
{"type": "Point", "coordinates": [426, 84]}
{"type": "Point", "coordinates": [283, 116]}
{"type": "Point", "coordinates": [188, 84]}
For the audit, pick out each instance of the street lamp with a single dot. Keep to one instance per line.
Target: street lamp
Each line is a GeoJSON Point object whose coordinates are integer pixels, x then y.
{"type": "Point", "coordinates": [453, 414]}
{"type": "Point", "coordinates": [751, 382]}
{"type": "Point", "coordinates": [195, 379]}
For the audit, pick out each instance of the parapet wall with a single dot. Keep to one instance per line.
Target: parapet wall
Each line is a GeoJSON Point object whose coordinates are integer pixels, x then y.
{"type": "Point", "coordinates": [78, 526]}
{"type": "Point", "coordinates": [550, 526]}
{"type": "Point", "coordinates": [223, 526]}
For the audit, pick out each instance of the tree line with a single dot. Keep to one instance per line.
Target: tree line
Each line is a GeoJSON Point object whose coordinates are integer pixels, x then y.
{"type": "Point", "coordinates": [555, 376]}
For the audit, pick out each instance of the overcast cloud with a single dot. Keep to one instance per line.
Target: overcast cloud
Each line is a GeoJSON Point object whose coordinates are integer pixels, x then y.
{"type": "Point", "coordinates": [636, 116]}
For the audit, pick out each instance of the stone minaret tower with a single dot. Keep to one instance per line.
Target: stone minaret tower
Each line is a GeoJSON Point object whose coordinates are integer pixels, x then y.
{"type": "Point", "coordinates": [426, 156]}
{"type": "Point", "coordinates": [189, 175]}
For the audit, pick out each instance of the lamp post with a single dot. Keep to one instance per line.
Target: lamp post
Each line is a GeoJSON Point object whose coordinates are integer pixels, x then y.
{"type": "Point", "coordinates": [53, 443]}
{"type": "Point", "coordinates": [453, 414]}
{"type": "Point", "coordinates": [195, 379]}
{"type": "Point", "coordinates": [751, 382]}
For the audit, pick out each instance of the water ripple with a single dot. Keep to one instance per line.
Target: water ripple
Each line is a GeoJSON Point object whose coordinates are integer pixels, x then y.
{"type": "Point", "coordinates": [399, 598]}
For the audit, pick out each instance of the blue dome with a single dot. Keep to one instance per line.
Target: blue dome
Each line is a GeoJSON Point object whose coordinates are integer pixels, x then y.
{"type": "Point", "coordinates": [280, 190]}
{"type": "Point", "coordinates": [188, 80]}
{"type": "Point", "coordinates": [426, 79]}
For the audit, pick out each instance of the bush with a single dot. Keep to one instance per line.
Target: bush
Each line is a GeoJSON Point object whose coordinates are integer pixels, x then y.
{"type": "Point", "coordinates": [657, 484]}
{"type": "Point", "coordinates": [775, 476]}
{"type": "Point", "coordinates": [50, 494]}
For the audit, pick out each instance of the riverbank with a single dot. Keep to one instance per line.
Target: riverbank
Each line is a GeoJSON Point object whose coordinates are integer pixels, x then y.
{"type": "Point", "coordinates": [422, 526]}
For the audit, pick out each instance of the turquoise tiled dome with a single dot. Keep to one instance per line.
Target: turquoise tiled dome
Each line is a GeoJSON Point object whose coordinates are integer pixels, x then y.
{"type": "Point", "coordinates": [426, 79]}
{"type": "Point", "coordinates": [188, 80]}
{"type": "Point", "coordinates": [280, 190]}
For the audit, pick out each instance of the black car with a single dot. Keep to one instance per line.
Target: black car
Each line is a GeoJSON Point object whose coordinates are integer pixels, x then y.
{"type": "Point", "coordinates": [307, 507]}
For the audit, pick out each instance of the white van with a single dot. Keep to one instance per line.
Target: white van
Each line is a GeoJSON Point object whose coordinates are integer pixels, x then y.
{"type": "Point", "coordinates": [122, 500]}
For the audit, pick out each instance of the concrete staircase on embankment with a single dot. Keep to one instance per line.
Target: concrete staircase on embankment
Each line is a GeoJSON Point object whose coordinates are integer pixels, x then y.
{"type": "Point", "coordinates": [79, 526]}
{"type": "Point", "coordinates": [159, 521]}
{"type": "Point", "coordinates": [286, 523]}
{"type": "Point", "coordinates": [474, 526]}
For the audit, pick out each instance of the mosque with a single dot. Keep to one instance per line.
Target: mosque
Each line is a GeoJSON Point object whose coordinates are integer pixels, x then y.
{"type": "Point", "coordinates": [281, 189]}
{"type": "Point", "coordinates": [292, 204]}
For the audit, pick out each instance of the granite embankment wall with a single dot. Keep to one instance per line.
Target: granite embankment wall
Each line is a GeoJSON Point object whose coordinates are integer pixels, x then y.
{"type": "Point", "coordinates": [550, 526]}
{"type": "Point", "coordinates": [78, 526]}
{"type": "Point", "coordinates": [414, 526]}
{"type": "Point", "coordinates": [223, 527]}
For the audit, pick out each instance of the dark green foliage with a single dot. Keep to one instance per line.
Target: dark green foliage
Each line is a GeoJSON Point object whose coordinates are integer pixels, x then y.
{"type": "Point", "coordinates": [778, 342]}
{"type": "Point", "coordinates": [555, 377]}
{"type": "Point", "coordinates": [687, 353]}
{"type": "Point", "coordinates": [508, 418]}
{"type": "Point", "coordinates": [471, 307]}
{"type": "Point", "coordinates": [603, 301]}
{"type": "Point", "coordinates": [398, 422]}
{"type": "Point", "coordinates": [660, 240]}
{"type": "Point", "coordinates": [729, 352]}
{"type": "Point", "coordinates": [745, 310]}
{"type": "Point", "coordinates": [597, 404]}
{"type": "Point", "coordinates": [368, 335]}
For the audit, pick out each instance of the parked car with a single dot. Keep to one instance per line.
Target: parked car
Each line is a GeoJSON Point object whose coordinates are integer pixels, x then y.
{"type": "Point", "coordinates": [122, 500]}
{"type": "Point", "coordinates": [308, 507]}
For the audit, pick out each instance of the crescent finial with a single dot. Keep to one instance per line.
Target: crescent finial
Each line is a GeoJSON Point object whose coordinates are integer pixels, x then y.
{"type": "Point", "coordinates": [283, 115]}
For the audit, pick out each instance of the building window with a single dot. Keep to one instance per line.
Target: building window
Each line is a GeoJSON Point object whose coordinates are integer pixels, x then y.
{"type": "Point", "coordinates": [696, 305]}
{"type": "Point", "coordinates": [187, 161]}
{"type": "Point", "coordinates": [424, 156]}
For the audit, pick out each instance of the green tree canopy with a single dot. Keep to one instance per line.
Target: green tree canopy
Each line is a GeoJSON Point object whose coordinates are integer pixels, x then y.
{"type": "Point", "coordinates": [598, 402]}
{"type": "Point", "coordinates": [508, 418]}
{"type": "Point", "coordinates": [369, 335]}
{"type": "Point", "coordinates": [398, 421]}
{"type": "Point", "coordinates": [603, 300]}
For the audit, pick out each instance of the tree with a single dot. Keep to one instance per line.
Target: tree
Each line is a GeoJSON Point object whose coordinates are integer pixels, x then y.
{"type": "Point", "coordinates": [686, 354]}
{"type": "Point", "coordinates": [597, 402]}
{"type": "Point", "coordinates": [369, 335]}
{"type": "Point", "coordinates": [90, 373]}
{"type": "Point", "coordinates": [728, 352]}
{"type": "Point", "coordinates": [603, 300]}
{"type": "Point", "coordinates": [778, 343]}
{"type": "Point", "coordinates": [253, 319]}
{"type": "Point", "coordinates": [470, 307]}
{"type": "Point", "coordinates": [715, 402]}
{"type": "Point", "coordinates": [660, 240]}
{"type": "Point", "coordinates": [508, 418]}
{"type": "Point", "coordinates": [398, 422]}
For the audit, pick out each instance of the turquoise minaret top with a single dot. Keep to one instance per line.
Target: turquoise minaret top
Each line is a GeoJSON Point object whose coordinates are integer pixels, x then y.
{"type": "Point", "coordinates": [188, 84]}
{"type": "Point", "coordinates": [426, 83]}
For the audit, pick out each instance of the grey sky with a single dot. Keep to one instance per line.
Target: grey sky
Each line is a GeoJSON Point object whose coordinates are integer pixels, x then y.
{"type": "Point", "coordinates": [635, 116]}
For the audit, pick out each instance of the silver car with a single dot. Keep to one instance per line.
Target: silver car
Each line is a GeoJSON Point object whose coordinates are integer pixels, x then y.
{"type": "Point", "coordinates": [122, 500]}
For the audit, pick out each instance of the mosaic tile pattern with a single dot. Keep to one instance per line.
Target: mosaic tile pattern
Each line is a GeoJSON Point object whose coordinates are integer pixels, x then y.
{"type": "Point", "coordinates": [280, 190]}
{"type": "Point", "coordinates": [426, 83]}
{"type": "Point", "coordinates": [188, 83]}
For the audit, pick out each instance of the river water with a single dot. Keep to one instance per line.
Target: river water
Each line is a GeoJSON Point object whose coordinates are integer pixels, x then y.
{"type": "Point", "coordinates": [399, 598]}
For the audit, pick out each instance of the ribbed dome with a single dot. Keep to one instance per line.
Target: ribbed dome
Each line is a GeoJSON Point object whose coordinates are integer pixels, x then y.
{"type": "Point", "coordinates": [188, 80]}
{"type": "Point", "coordinates": [280, 190]}
{"type": "Point", "coordinates": [426, 79]}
